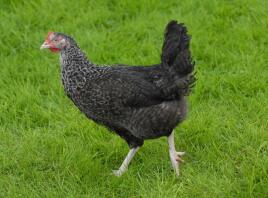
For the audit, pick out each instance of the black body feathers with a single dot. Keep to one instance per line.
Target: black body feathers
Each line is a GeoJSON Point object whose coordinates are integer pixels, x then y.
{"type": "Point", "coordinates": [136, 102]}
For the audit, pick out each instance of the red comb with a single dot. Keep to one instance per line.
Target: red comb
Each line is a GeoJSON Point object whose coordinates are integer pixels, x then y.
{"type": "Point", "coordinates": [48, 35]}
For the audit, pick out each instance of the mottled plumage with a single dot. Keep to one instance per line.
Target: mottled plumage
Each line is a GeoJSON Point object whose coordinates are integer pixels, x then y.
{"type": "Point", "coordinates": [136, 102]}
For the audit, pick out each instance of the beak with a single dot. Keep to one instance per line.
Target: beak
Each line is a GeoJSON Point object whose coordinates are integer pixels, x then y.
{"type": "Point", "coordinates": [45, 45]}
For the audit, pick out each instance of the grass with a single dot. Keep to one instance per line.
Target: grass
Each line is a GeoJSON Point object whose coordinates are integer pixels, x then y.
{"type": "Point", "coordinates": [49, 149]}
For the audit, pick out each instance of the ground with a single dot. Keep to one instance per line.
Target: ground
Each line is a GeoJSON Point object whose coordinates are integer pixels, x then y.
{"type": "Point", "coordinates": [49, 149]}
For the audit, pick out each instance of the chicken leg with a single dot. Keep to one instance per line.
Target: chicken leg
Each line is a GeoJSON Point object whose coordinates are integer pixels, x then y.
{"type": "Point", "coordinates": [126, 162]}
{"type": "Point", "coordinates": [175, 156]}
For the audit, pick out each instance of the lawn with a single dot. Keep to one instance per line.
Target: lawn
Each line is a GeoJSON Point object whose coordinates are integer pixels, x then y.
{"type": "Point", "coordinates": [49, 149]}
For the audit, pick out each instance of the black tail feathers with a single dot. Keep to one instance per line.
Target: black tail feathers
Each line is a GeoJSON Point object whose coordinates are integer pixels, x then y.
{"type": "Point", "coordinates": [175, 51]}
{"type": "Point", "coordinates": [176, 57]}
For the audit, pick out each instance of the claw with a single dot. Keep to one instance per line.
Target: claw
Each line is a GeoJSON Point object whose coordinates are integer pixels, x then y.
{"type": "Point", "coordinates": [126, 162]}
{"type": "Point", "coordinates": [180, 153]}
{"type": "Point", "coordinates": [117, 173]}
{"type": "Point", "coordinates": [178, 159]}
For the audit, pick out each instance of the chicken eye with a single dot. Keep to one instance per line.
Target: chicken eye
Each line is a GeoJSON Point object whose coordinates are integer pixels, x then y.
{"type": "Point", "coordinates": [57, 39]}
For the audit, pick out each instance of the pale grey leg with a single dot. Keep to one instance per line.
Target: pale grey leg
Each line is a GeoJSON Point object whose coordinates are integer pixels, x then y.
{"type": "Point", "coordinates": [126, 162]}
{"type": "Point", "coordinates": [175, 156]}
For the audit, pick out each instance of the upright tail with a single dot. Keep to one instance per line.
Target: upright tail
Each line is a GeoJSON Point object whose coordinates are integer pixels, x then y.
{"type": "Point", "coordinates": [176, 55]}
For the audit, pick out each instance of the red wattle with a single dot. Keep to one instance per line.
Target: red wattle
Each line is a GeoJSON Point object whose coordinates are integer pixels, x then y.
{"type": "Point", "coordinates": [55, 50]}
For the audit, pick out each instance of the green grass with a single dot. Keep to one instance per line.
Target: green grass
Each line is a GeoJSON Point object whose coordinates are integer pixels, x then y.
{"type": "Point", "coordinates": [49, 149]}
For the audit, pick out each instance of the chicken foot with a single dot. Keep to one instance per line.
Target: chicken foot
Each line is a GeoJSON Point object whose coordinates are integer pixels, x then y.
{"type": "Point", "coordinates": [175, 157]}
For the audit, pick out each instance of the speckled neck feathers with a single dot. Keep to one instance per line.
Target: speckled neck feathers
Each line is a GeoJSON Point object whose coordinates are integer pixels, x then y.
{"type": "Point", "coordinates": [74, 68]}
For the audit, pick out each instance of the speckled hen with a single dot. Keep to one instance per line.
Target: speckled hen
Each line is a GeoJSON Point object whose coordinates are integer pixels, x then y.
{"type": "Point", "coordinates": [136, 102]}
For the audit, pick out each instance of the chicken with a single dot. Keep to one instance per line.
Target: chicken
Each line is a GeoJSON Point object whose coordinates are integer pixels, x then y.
{"type": "Point", "coordinates": [136, 102]}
